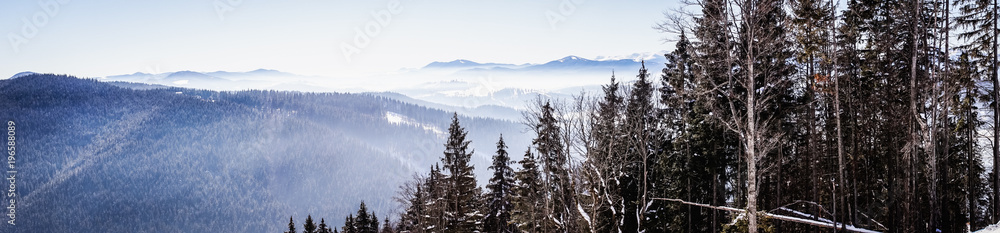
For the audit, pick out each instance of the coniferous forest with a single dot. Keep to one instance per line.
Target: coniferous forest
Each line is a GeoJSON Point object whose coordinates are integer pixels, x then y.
{"type": "Point", "coordinates": [769, 116]}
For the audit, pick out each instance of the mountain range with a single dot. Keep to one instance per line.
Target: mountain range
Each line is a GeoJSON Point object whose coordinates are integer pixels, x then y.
{"type": "Point", "coordinates": [460, 83]}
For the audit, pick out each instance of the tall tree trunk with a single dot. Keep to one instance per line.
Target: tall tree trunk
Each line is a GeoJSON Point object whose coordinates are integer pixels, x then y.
{"type": "Point", "coordinates": [840, 144]}
{"type": "Point", "coordinates": [751, 138]}
{"type": "Point", "coordinates": [908, 216]}
{"type": "Point", "coordinates": [996, 119]}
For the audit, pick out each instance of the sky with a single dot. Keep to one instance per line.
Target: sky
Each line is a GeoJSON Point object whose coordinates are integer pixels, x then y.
{"type": "Point", "coordinates": [324, 38]}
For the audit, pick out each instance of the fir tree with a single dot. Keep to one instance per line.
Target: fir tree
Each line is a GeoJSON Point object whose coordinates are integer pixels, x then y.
{"type": "Point", "coordinates": [978, 18]}
{"type": "Point", "coordinates": [498, 217]}
{"type": "Point", "coordinates": [604, 161]}
{"type": "Point", "coordinates": [688, 172]}
{"type": "Point", "coordinates": [557, 183]}
{"type": "Point", "coordinates": [291, 226]}
{"type": "Point", "coordinates": [462, 211]}
{"type": "Point", "coordinates": [638, 159]}
{"type": "Point", "coordinates": [361, 220]}
{"type": "Point", "coordinates": [309, 226]}
{"type": "Point", "coordinates": [528, 199]}
{"type": "Point", "coordinates": [436, 204]}
{"type": "Point", "coordinates": [323, 228]}
{"type": "Point", "coordinates": [349, 226]}
{"type": "Point", "coordinates": [387, 227]}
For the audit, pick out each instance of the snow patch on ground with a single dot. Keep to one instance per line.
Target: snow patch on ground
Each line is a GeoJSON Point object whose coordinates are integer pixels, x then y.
{"type": "Point", "coordinates": [995, 228]}
{"type": "Point", "coordinates": [400, 119]}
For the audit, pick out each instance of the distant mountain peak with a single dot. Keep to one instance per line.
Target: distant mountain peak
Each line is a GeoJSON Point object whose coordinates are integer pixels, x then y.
{"type": "Point", "coordinates": [22, 74]}
{"type": "Point", "coordinates": [452, 64]}
{"type": "Point", "coordinates": [571, 58]}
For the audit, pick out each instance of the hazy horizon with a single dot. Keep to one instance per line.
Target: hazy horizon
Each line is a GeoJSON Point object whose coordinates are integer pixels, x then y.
{"type": "Point", "coordinates": [314, 38]}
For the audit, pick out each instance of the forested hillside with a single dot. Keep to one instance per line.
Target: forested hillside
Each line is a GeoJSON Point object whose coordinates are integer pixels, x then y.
{"type": "Point", "coordinates": [94, 157]}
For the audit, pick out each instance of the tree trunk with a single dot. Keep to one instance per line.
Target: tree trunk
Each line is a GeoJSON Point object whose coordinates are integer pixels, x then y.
{"type": "Point", "coordinates": [996, 120]}
{"type": "Point", "coordinates": [840, 144]}
{"type": "Point", "coordinates": [751, 140]}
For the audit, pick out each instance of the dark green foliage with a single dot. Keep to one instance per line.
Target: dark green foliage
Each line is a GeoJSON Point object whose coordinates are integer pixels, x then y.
{"type": "Point", "coordinates": [498, 199]}
{"type": "Point", "coordinates": [603, 166]}
{"type": "Point", "coordinates": [365, 222]}
{"type": "Point", "coordinates": [309, 226]}
{"type": "Point", "coordinates": [694, 158]}
{"type": "Point", "coordinates": [460, 192]}
{"type": "Point", "coordinates": [323, 228]}
{"type": "Point", "coordinates": [528, 199]}
{"type": "Point", "coordinates": [291, 226]}
{"type": "Point", "coordinates": [387, 227]}
{"type": "Point", "coordinates": [556, 183]}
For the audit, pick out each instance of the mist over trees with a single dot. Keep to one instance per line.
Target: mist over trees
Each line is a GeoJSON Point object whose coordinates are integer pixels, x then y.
{"type": "Point", "coordinates": [141, 159]}
{"type": "Point", "coordinates": [773, 116]}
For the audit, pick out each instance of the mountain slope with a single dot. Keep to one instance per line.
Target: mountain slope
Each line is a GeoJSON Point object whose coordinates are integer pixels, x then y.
{"type": "Point", "coordinates": [102, 158]}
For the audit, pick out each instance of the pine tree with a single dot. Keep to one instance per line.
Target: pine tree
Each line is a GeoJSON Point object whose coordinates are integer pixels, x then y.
{"type": "Point", "coordinates": [693, 156]}
{"type": "Point", "coordinates": [557, 184]}
{"type": "Point", "coordinates": [498, 217]}
{"type": "Point", "coordinates": [365, 221]}
{"type": "Point", "coordinates": [436, 205]}
{"type": "Point", "coordinates": [713, 71]}
{"type": "Point", "coordinates": [387, 227]}
{"type": "Point", "coordinates": [603, 166]}
{"type": "Point", "coordinates": [528, 199]}
{"type": "Point", "coordinates": [323, 228]}
{"type": "Point", "coordinates": [309, 226]}
{"type": "Point", "coordinates": [349, 226]}
{"type": "Point", "coordinates": [638, 158]}
{"type": "Point", "coordinates": [412, 219]}
{"type": "Point", "coordinates": [962, 183]}
{"type": "Point", "coordinates": [291, 226]}
{"type": "Point", "coordinates": [462, 212]}
{"type": "Point", "coordinates": [979, 27]}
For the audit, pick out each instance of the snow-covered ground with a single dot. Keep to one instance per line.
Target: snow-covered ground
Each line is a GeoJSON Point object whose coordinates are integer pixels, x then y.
{"type": "Point", "coordinates": [995, 228]}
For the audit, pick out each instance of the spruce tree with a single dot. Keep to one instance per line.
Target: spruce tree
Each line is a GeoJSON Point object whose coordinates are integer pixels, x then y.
{"type": "Point", "coordinates": [692, 154]}
{"type": "Point", "coordinates": [604, 160]}
{"type": "Point", "coordinates": [528, 199]}
{"type": "Point", "coordinates": [962, 184]}
{"type": "Point", "coordinates": [498, 217]}
{"type": "Point", "coordinates": [291, 226]}
{"type": "Point", "coordinates": [436, 204]}
{"type": "Point", "coordinates": [349, 226]}
{"type": "Point", "coordinates": [412, 219]}
{"type": "Point", "coordinates": [978, 25]}
{"type": "Point", "coordinates": [557, 183]}
{"type": "Point", "coordinates": [387, 227]}
{"type": "Point", "coordinates": [462, 211]}
{"type": "Point", "coordinates": [309, 226]}
{"type": "Point", "coordinates": [323, 228]}
{"type": "Point", "coordinates": [363, 221]}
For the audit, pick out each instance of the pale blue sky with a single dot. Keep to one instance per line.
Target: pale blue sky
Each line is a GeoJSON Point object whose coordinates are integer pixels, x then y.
{"type": "Point", "coordinates": [103, 37]}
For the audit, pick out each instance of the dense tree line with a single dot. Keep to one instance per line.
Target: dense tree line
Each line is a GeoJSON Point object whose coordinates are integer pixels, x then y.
{"type": "Point", "coordinates": [871, 116]}
{"type": "Point", "coordinates": [363, 222]}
